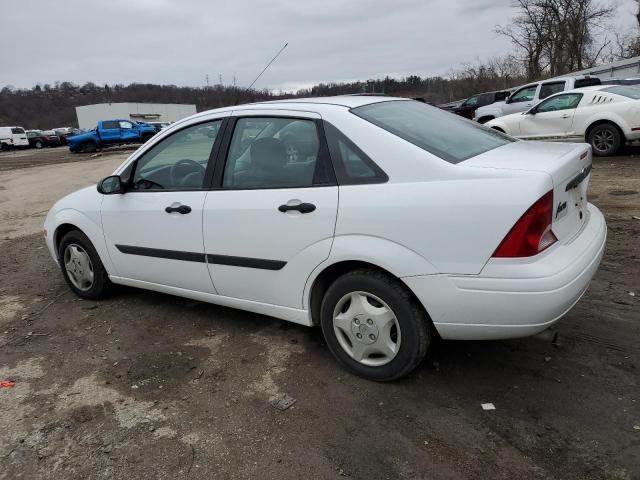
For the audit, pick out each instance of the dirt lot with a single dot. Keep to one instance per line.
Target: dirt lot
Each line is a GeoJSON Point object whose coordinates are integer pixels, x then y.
{"type": "Point", "coordinates": [151, 386]}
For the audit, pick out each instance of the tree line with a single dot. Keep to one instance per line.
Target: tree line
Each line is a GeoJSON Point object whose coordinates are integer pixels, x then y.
{"type": "Point", "coordinates": [548, 37]}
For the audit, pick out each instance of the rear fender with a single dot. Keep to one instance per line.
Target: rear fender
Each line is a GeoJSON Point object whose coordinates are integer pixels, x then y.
{"type": "Point", "coordinates": [397, 259]}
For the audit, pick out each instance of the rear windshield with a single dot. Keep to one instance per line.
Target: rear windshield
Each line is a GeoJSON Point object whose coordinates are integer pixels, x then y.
{"type": "Point", "coordinates": [443, 134]}
{"type": "Point", "coordinates": [628, 91]}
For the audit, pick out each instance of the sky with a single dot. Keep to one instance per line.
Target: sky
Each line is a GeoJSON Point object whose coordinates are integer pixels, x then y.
{"type": "Point", "coordinates": [182, 41]}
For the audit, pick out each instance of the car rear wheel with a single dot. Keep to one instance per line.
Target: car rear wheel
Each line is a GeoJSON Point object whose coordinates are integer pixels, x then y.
{"type": "Point", "coordinates": [605, 139]}
{"type": "Point", "coordinates": [89, 147]}
{"type": "Point", "coordinates": [373, 326]}
{"type": "Point", "coordinates": [38, 144]}
{"type": "Point", "coordinates": [82, 268]}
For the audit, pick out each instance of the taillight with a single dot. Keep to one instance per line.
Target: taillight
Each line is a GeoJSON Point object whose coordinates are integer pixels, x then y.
{"type": "Point", "coordinates": [532, 232]}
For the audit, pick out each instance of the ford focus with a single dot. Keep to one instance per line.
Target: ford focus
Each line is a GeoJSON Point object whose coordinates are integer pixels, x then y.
{"type": "Point", "coordinates": [384, 221]}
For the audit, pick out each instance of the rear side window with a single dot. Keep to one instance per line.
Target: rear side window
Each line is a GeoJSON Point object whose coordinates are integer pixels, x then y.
{"type": "Point", "coordinates": [352, 165]}
{"type": "Point", "coordinates": [550, 88]}
{"type": "Point", "coordinates": [443, 134]}
{"type": "Point", "coordinates": [275, 152]}
{"type": "Point", "coordinates": [587, 82]}
{"type": "Point", "coordinates": [17, 130]}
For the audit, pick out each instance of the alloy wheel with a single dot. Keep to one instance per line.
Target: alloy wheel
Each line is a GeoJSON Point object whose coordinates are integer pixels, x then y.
{"type": "Point", "coordinates": [603, 140]}
{"type": "Point", "coordinates": [366, 328]}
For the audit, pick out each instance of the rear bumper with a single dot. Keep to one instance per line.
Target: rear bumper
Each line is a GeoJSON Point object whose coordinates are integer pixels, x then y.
{"type": "Point", "coordinates": [513, 298]}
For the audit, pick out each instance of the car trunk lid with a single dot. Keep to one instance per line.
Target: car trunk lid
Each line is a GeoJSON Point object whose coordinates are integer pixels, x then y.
{"type": "Point", "coordinates": [568, 165]}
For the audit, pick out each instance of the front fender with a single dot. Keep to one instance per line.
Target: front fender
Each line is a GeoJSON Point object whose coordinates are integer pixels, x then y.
{"type": "Point", "coordinates": [89, 223]}
{"type": "Point", "coordinates": [397, 259]}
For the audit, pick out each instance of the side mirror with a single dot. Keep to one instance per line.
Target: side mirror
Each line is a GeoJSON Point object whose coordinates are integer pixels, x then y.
{"type": "Point", "coordinates": [532, 111]}
{"type": "Point", "coordinates": [111, 185]}
{"type": "Point", "coordinates": [508, 99]}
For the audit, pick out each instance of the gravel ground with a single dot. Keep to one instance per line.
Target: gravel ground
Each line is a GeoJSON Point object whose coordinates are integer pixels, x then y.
{"type": "Point", "coordinates": [150, 386]}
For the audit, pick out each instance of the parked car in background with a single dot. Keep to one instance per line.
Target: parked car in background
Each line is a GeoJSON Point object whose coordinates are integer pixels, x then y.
{"type": "Point", "coordinates": [39, 139]}
{"type": "Point", "coordinates": [66, 132]}
{"type": "Point", "coordinates": [13, 137]}
{"type": "Point", "coordinates": [421, 241]}
{"type": "Point", "coordinates": [111, 132]}
{"type": "Point", "coordinates": [621, 81]}
{"type": "Point", "coordinates": [525, 97]}
{"type": "Point", "coordinates": [468, 108]}
{"type": "Point", "coordinates": [604, 116]}
{"type": "Point", "coordinates": [159, 125]}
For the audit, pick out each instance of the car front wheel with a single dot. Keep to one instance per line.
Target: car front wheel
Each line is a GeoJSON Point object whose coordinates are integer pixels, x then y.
{"type": "Point", "coordinates": [81, 266]}
{"type": "Point", "coordinates": [373, 326]}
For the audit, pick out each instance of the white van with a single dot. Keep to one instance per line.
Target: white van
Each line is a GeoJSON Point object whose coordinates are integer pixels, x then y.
{"type": "Point", "coordinates": [11, 137]}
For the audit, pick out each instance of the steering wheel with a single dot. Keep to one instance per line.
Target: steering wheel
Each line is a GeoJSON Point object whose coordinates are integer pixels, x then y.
{"type": "Point", "coordinates": [188, 167]}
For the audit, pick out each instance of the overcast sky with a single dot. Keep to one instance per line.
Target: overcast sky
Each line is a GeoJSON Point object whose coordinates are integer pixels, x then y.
{"type": "Point", "coordinates": [181, 41]}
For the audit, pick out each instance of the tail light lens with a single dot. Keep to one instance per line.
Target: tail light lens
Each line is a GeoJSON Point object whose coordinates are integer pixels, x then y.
{"type": "Point", "coordinates": [532, 232]}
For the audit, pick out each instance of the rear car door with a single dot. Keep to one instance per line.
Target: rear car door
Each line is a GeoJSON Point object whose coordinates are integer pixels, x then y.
{"type": "Point", "coordinates": [551, 119]}
{"type": "Point", "coordinates": [270, 218]}
{"type": "Point", "coordinates": [154, 231]}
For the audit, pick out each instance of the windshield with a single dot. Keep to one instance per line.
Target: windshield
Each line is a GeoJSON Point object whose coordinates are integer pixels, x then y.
{"type": "Point", "coordinates": [628, 91]}
{"type": "Point", "coordinates": [443, 134]}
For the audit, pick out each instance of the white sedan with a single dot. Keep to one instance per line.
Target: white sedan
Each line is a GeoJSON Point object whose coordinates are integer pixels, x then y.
{"type": "Point", "coordinates": [393, 222]}
{"type": "Point", "coordinates": [605, 116]}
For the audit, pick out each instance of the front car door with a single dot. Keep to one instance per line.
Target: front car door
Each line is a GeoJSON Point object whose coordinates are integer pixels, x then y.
{"type": "Point", "coordinates": [127, 131]}
{"type": "Point", "coordinates": [551, 119]}
{"type": "Point", "coordinates": [110, 131]}
{"type": "Point", "coordinates": [270, 218]}
{"type": "Point", "coordinates": [521, 100]}
{"type": "Point", "coordinates": [154, 231]}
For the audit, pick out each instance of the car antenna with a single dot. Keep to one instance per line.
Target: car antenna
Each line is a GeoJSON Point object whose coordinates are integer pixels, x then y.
{"type": "Point", "coordinates": [263, 70]}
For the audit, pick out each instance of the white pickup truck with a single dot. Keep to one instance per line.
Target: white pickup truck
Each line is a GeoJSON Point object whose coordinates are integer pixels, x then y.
{"type": "Point", "coordinates": [525, 97]}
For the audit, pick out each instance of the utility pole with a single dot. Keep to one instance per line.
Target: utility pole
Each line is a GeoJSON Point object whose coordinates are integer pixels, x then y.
{"type": "Point", "coordinates": [220, 79]}
{"type": "Point", "coordinates": [206, 78]}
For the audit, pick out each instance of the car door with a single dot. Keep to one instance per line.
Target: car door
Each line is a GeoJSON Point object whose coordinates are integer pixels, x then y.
{"type": "Point", "coordinates": [110, 131]}
{"type": "Point", "coordinates": [270, 218]}
{"type": "Point", "coordinates": [521, 99]}
{"type": "Point", "coordinates": [154, 231]}
{"type": "Point", "coordinates": [127, 132]}
{"type": "Point", "coordinates": [551, 119]}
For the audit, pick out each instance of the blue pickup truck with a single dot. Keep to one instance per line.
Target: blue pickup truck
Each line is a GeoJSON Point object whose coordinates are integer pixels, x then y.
{"type": "Point", "coordinates": [111, 132]}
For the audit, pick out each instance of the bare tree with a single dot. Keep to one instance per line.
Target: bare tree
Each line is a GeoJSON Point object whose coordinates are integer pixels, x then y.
{"type": "Point", "coordinates": [553, 37]}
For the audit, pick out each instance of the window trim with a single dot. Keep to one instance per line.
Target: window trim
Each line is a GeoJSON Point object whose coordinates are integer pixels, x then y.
{"type": "Point", "coordinates": [323, 159]}
{"type": "Point", "coordinates": [339, 165]}
{"type": "Point", "coordinates": [129, 171]}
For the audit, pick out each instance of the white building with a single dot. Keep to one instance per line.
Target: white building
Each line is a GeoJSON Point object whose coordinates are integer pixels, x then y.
{"type": "Point", "coordinates": [89, 115]}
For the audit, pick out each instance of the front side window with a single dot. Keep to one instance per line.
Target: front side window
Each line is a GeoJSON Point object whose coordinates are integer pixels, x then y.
{"type": "Point", "coordinates": [110, 124]}
{"type": "Point", "coordinates": [274, 152]}
{"type": "Point", "coordinates": [524, 95]}
{"type": "Point", "coordinates": [471, 101]}
{"type": "Point", "coordinates": [179, 161]}
{"type": "Point", "coordinates": [17, 130]}
{"type": "Point", "coordinates": [560, 102]}
{"type": "Point", "coordinates": [548, 89]}
{"type": "Point", "coordinates": [447, 136]}
{"type": "Point", "coordinates": [125, 124]}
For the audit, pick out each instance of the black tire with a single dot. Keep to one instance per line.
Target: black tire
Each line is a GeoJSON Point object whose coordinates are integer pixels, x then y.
{"type": "Point", "coordinates": [484, 120]}
{"type": "Point", "coordinates": [38, 144]}
{"type": "Point", "coordinates": [498, 129]}
{"type": "Point", "coordinates": [101, 286]}
{"type": "Point", "coordinates": [413, 323]}
{"type": "Point", "coordinates": [605, 140]}
{"type": "Point", "coordinates": [4, 147]}
{"type": "Point", "coordinates": [88, 147]}
{"type": "Point", "coordinates": [146, 137]}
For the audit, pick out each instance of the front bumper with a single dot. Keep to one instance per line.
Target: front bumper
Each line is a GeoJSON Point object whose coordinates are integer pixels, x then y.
{"type": "Point", "coordinates": [513, 298]}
